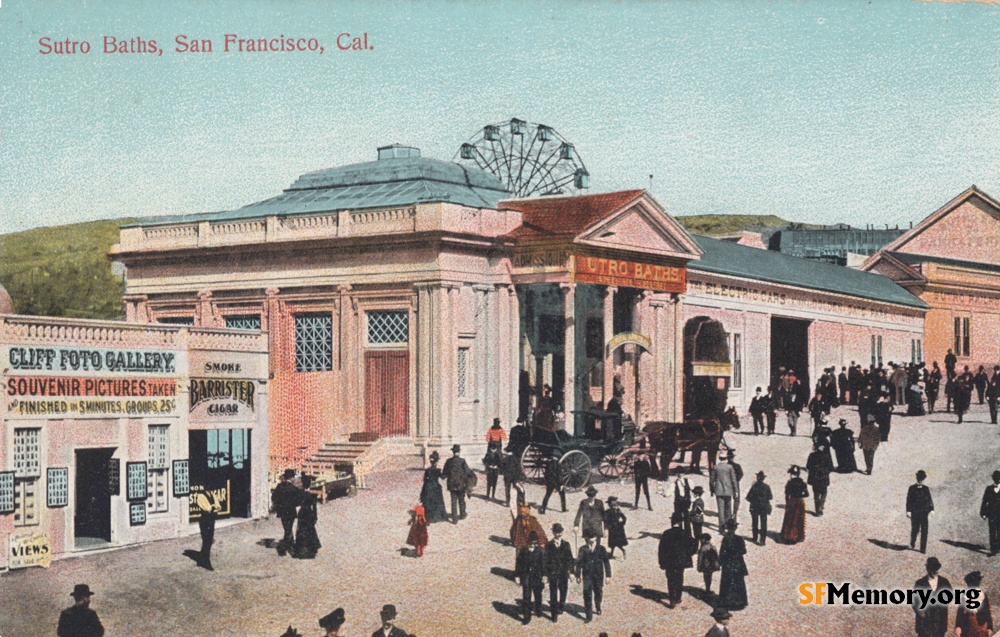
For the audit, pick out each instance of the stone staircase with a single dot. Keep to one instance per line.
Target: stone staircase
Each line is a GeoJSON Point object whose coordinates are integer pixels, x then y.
{"type": "Point", "coordinates": [335, 456]}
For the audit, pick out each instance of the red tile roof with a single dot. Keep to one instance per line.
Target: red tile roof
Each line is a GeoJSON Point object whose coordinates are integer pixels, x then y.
{"type": "Point", "coordinates": [565, 215]}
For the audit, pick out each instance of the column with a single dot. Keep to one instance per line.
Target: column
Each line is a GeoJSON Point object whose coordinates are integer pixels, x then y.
{"type": "Point", "coordinates": [569, 354]}
{"type": "Point", "coordinates": [272, 322]}
{"type": "Point", "coordinates": [676, 410]}
{"type": "Point", "coordinates": [609, 332]}
{"type": "Point", "coordinates": [513, 369]}
{"type": "Point", "coordinates": [420, 401]}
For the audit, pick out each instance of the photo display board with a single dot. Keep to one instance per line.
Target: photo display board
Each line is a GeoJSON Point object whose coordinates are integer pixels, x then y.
{"type": "Point", "coordinates": [135, 480]}
{"type": "Point", "coordinates": [57, 482]}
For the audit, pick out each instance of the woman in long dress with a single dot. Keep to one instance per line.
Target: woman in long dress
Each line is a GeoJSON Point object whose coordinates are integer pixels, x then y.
{"type": "Point", "coordinates": [306, 539]}
{"type": "Point", "coordinates": [431, 495]}
{"type": "Point", "coordinates": [793, 529]}
{"type": "Point", "coordinates": [732, 584]}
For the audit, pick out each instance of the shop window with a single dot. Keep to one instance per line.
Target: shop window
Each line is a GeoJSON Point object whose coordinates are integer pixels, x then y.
{"type": "Point", "coordinates": [26, 502]}
{"type": "Point", "coordinates": [879, 351]}
{"type": "Point", "coordinates": [176, 320]}
{"type": "Point", "coordinates": [157, 474]}
{"type": "Point", "coordinates": [462, 371]}
{"type": "Point", "coordinates": [27, 469]}
{"type": "Point", "coordinates": [313, 342]}
{"type": "Point", "coordinates": [27, 453]}
{"type": "Point", "coordinates": [244, 322]}
{"type": "Point", "coordinates": [227, 448]}
{"type": "Point", "coordinates": [737, 361]}
{"type": "Point", "coordinates": [920, 351]}
{"type": "Point", "coordinates": [388, 328]}
{"type": "Point", "coordinates": [873, 352]}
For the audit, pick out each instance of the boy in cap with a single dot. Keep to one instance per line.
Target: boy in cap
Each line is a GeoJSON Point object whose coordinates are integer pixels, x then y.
{"type": "Point", "coordinates": [558, 566]}
{"type": "Point", "coordinates": [531, 573]}
{"type": "Point", "coordinates": [80, 620]}
{"type": "Point", "coordinates": [592, 567]}
{"type": "Point", "coordinates": [389, 629]}
{"type": "Point", "coordinates": [285, 499]}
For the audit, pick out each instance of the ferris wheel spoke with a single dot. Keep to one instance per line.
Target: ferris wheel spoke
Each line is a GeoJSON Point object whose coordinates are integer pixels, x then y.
{"type": "Point", "coordinates": [540, 166]}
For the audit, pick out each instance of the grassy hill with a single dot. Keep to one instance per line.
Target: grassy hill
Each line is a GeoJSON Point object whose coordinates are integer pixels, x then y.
{"type": "Point", "coordinates": [63, 270]}
{"type": "Point", "coordinates": [725, 224]}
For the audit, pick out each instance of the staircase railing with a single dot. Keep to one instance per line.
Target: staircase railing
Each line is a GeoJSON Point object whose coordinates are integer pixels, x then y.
{"type": "Point", "coordinates": [368, 462]}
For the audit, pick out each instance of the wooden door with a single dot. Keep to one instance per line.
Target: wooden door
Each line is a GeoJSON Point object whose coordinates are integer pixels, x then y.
{"type": "Point", "coordinates": [387, 392]}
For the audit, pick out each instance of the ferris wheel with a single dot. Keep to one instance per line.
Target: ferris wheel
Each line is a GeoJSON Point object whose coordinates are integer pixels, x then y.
{"type": "Point", "coordinates": [530, 159]}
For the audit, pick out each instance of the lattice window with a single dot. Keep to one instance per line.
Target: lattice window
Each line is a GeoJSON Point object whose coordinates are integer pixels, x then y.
{"type": "Point", "coordinates": [313, 342]}
{"type": "Point", "coordinates": [26, 502]}
{"type": "Point", "coordinates": [388, 328]}
{"type": "Point", "coordinates": [27, 453]}
{"type": "Point", "coordinates": [159, 447]}
{"type": "Point", "coordinates": [159, 461]}
{"type": "Point", "coordinates": [176, 320]}
{"type": "Point", "coordinates": [245, 322]}
{"type": "Point", "coordinates": [463, 366]}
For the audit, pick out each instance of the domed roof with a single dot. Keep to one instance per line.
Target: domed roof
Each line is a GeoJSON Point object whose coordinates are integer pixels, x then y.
{"type": "Point", "coordinates": [6, 303]}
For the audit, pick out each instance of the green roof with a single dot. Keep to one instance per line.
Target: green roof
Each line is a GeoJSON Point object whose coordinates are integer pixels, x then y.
{"type": "Point", "coordinates": [386, 183]}
{"type": "Point", "coordinates": [724, 257]}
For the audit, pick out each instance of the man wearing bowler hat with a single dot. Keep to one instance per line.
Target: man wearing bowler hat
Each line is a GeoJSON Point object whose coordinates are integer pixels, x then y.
{"type": "Point", "coordinates": [285, 499]}
{"type": "Point", "coordinates": [720, 629]}
{"type": "Point", "coordinates": [759, 496]}
{"type": "Point", "coordinates": [558, 564]}
{"type": "Point", "coordinates": [932, 619]}
{"type": "Point", "coordinates": [456, 473]}
{"type": "Point", "coordinates": [80, 620]}
{"type": "Point", "coordinates": [389, 629]}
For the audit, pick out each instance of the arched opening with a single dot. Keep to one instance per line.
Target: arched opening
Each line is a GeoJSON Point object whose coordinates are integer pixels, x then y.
{"type": "Point", "coordinates": [707, 368]}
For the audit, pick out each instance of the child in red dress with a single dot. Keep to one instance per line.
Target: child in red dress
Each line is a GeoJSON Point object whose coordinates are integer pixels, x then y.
{"type": "Point", "coordinates": [418, 530]}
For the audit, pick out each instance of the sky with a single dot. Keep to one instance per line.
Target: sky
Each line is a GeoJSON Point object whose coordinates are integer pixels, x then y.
{"type": "Point", "coordinates": [819, 112]}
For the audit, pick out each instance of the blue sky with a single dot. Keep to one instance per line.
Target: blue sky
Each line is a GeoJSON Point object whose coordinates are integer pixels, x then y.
{"type": "Point", "coordinates": [815, 111]}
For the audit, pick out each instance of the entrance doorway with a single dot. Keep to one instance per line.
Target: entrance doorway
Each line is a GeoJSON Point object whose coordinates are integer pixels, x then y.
{"type": "Point", "coordinates": [790, 349]}
{"type": "Point", "coordinates": [92, 519]}
{"type": "Point", "coordinates": [220, 461]}
{"type": "Point", "coordinates": [387, 393]}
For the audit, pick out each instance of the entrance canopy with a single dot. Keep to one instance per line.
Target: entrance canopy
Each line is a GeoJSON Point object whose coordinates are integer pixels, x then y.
{"type": "Point", "coordinates": [623, 239]}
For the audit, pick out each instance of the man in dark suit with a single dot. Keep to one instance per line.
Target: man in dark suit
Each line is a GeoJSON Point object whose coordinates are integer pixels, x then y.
{"type": "Point", "coordinates": [80, 620]}
{"type": "Point", "coordinates": [558, 565]}
{"type": "Point", "coordinates": [919, 505]}
{"type": "Point", "coordinates": [759, 497]}
{"type": "Point", "coordinates": [552, 484]}
{"type": "Point", "coordinates": [932, 619]}
{"type": "Point", "coordinates": [389, 629]}
{"type": "Point", "coordinates": [530, 570]}
{"type": "Point", "coordinates": [641, 470]}
{"type": "Point", "coordinates": [511, 470]}
{"type": "Point", "coordinates": [285, 499]}
{"type": "Point", "coordinates": [592, 567]}
{"type": "Point", "coordinates": [842, 385]}
{"type": "Point", "coordinates": [819, 467]}
{"type": "Point", "coordinates": [456, 473]}
{"type": "Point", "coordinates": [989, 510]}
{"type": "Point", "coordinates": [757, 412]}
{"type": "Point", "coordinates": [993, 393]}
{"type": "Point", "coordinates": [676, 549]}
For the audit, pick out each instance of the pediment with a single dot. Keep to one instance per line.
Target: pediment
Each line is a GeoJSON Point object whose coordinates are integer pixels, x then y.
{"type": "Point", "coordinates": [641, 227]}
{"type": "Point", "coordinates": [966, 229]}
{"type": "Point", "coordinates": [888, 266]}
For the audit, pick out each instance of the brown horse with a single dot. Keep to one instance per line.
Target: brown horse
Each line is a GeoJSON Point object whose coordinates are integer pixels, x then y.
{"type": "Point", "coordinates": [696, 436]}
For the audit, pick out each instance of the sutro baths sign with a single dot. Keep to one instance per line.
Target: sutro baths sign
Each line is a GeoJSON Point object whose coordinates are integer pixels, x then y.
{"type": "Point", "coordinates": [632, 274]}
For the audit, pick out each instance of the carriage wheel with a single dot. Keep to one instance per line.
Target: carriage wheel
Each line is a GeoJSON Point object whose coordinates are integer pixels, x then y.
{"type": "Point", "coordinates": [574, 470]}
{"type": "Point", "coordinates": [611, 465]}
{"type": "Point", "coordinates": [627, 463]}
{"type": "Point", "coordinates": [533, 460]}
